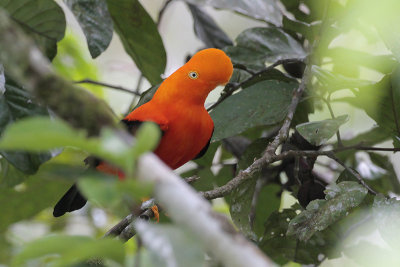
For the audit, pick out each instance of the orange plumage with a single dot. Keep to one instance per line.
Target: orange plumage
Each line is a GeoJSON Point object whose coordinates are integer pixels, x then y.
{"type": "Point", "coordinates": [178, 108]}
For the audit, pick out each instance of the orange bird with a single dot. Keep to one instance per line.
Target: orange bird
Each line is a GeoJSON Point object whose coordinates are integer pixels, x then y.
{"type": "Point", "coordinates": [178, 108]}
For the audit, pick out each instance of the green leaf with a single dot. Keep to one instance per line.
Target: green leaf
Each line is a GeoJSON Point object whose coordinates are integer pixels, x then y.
{"type": "Point", "coordinates": [71, 249]}
{"type": "Point", "coordinates": [147, 95]}
{"type": "Point", "coordinates": [241, 202]}
{"type": "Point", "coordinates": [267, 10]}
{"type": "Point", "coordinates": [264, 103]}
{"type": "Point", "coordinates": [95, 22]}
{"type": "Point", "coordinates": [378, 102]}
{"type": "Point", "coordinates": [33, 196]}
{"type": "Point", "coordinates": [319, 132]}
{"type": "Point", "coordinates": [16, 104]}
{"type": "Point", "coordinates": [9, 175]}
{"type": "Point", "coordinates": [167, 242]}
{"type": "Point", "coordinates": [257, 46]}
{"type": "Point", "coordinates": [282, 248]}
{"type": "Point", "coordinates": [319, 214]}
{"type": "Point", "coordinates": [44, 20]}
{"type": "Point", "coordinates": [140, 37]}
{"type": "Point", "coordinates": [207, 30]}
{"type": "Point", "coordinates": [253, 151]}
{"type": "Point", "coordinates": [332, 81]}
{"type": "Point", "coordinates": [107, 191]}
{"type": "Point", "coordinates": [386, 215]}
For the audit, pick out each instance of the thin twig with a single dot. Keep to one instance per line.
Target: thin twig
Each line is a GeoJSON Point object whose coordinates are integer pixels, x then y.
{"type": "Point", "coordinates": [120, 88]}
{"type": "Point", "coordinates": [328, 104]}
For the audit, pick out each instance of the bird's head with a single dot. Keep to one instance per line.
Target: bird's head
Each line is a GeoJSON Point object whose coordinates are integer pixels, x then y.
{"type": "Point", "coordinates": [193, 81]}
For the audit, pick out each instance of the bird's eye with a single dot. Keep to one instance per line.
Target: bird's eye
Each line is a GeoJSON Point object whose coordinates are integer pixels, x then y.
{"type": "Point", "coordinates": [193, 75]}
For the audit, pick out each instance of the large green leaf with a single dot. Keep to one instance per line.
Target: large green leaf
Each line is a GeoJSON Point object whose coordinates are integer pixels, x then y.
{"type": "Point", "coordinates": [207, 30]}
{"type": "Point", "coordinates": [71, 249]}
{"type": "Point", "coordinates": [264, 103]}
{"type": "Point", "coordinates": [167, 244]}
{"type": "Point", "coordinates": [267, 10]}
{"type": "Point", "coordinates": [95, 22]}
{"type": "Point", "coordinates": [319, 214]}
{"type": "Point", "coordinates": [9, 175]}
{"type": "Point", "coordinates": [256, 46]}
{"type": "Point", "coordinates": [140, 37]}
{"type": "Point", "coordinates": [318, 132]}
{"type": "Point", "coordinates": [37, 194]}
{"type": "Point", "coordinates": [44, 20]}
{"type": "Point", "coordinates": [16, 104]}
{"type": "Point", "coordinates": [39, 134]}
{"type": "Point", "coordinates": [282, 248]}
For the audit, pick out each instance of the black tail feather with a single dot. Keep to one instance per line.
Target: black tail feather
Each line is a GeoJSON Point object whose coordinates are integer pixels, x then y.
{"type": "Point", "coordinates": [72, 200]}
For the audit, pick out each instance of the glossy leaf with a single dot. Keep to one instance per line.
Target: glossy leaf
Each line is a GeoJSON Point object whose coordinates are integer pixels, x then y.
{"type": "Point", "coordinates": [95, 22]}
{"type": "Point", "coordinates": [16, 104]}
{"type": "Point", "coordinates": [319, 214]}
{"type": "Point", "coordinates": [319, 132]}
{"type": "Point", "coordinates": [207, 30]}
{"type": "Point", "coordinates": [267, 10]}
{"type": "Point", "coordinates": [257, 46]}
{"type": "Point", "coordinates": [166, 243]}
{"type": "Point", "coordinates": [264, 103]}
{"type": "Point", "coordinates": [71, 249]}
{"type": "Point", "coordinates": [46, 134]}
{"type": "Point", "coordinates": [44, 20]}
{"type": "Point", "coordinates": [140, 37]}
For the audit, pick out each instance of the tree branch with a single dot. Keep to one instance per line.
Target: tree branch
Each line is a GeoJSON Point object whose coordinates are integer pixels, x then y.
{"type": "Point", "coordinates": [120, 88]}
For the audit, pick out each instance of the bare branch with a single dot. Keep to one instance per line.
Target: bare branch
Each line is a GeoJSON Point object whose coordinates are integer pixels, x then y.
{"type": "Point", "coordinates": [120, 88]}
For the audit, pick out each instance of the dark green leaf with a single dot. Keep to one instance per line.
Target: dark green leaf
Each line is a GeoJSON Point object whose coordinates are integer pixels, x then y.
{"type": "Point", "coordinates": [252, 152]}
{"type": "Point", "coordinates": [282, 248]}
{"type": "Point", "coordinates": [95, 22]}
{"type": "Point", "coordinates": [140, 37]}
{"type": "Point", "coordinates": [241, 199]}
{"type": "Point", "coordinates": [264, 103]}
{"type": "Point", "coordinates": [44, 20]}
{"type": "Point", "coordinates": [319, 132]}
{"type": "Point", "coordinates": [207, 30]}
{"type": "Point", "coordinates": [9, 175]}
{"type": "Point", "coordinates": [320, 214]}
{"type": "Point", "coordinates": [267, 10]}
{"type": "Point", "coordinates": [72, 250]}
{"type": "Point", "coordinates": [16, 104]}
{"type": "Point", "coordinates": [147, 95]}
{"type": "Point", "coordinates": [167, 242]}
{"type": "Point", "coordinates": [256, 46]}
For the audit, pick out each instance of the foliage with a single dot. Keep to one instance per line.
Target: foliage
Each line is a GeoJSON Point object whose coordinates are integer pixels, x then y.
{"type": "Point", "coordinates": [296, 44]}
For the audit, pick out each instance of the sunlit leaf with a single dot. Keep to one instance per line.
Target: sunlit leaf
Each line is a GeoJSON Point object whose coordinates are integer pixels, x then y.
{"type": "Point", "coordinates": [319, 214]}
{"type": "Point", "coordinates": [71, 249]}
{"type": "Point", "coordinates": [318, 132]}
{"type": "Point", "coordinates": [264, 103]}
{"type": "Point", "coordinates": [140, 37]}
{"type": "Point", "coordinates": [44, 20]}
{"type": "Point", "coordinates": [95, 22]}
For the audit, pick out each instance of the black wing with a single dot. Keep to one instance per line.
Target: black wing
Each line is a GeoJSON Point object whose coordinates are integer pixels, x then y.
{"type": "Point", "coordinates": [205, 148]}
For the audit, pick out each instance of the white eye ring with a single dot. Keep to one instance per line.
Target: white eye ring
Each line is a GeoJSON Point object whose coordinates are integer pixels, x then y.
{"type": "Point", "coordinates": [193, 75]}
